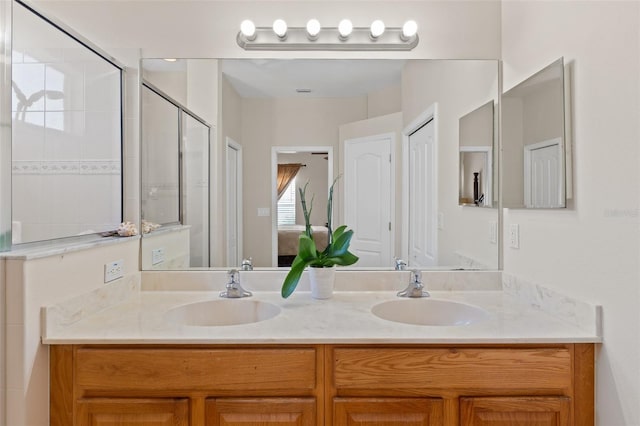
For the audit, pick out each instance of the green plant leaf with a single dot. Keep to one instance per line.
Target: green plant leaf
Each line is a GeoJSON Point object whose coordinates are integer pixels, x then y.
{"type": "Point", "coordinates": [344, 260]}
{"type": "Point", "coordinates": [339, 231]}
{"type": "Point", "coordinates": [307, 248]}
{"type": "Point", "coordinates": [340, 245]}
{"type": "Point", "coordinates": [293, 277]}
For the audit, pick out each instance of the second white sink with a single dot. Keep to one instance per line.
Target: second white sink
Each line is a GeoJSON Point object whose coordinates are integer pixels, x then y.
{"type": "Point", "coordinates": [222, 312]}
{"type": "Point", "coordinates": [426, 311]}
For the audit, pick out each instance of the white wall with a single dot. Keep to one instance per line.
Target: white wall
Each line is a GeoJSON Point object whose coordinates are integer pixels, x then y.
{"type": "Point", "coordinates": [31, 284]}
{"type": "Point", "coordinates": [457, 87]}
{"type": "Point", "coordinates": [590, 250]}
{"type": "Point", "coordinates": [163, 29]}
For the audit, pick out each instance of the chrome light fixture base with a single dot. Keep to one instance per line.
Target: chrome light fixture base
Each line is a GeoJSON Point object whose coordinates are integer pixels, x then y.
{"type": "Point", "coordinates": [328, 39]}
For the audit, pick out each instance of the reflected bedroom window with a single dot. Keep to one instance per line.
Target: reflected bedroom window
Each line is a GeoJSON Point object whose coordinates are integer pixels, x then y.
{"type": "Point", "coordinates": [287, 205]}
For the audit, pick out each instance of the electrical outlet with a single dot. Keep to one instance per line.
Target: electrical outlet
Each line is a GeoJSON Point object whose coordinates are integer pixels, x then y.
{"type": "Point", "coordinates": [264, 211]}
{"type": "Point", "coordinates": [514, 236]}
{"type": "Point", "coordinates": [157, 256]}
{"type": "Point", "coordinates": [113, 270]}
{"type": "Point", "coordinates": [493, 232]}
{"type": "Point", "coordinates": [440, 220]}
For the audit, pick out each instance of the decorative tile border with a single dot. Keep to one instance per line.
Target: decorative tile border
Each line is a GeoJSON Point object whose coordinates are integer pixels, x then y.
{"type": "Point", "coordinates": [79, 167]}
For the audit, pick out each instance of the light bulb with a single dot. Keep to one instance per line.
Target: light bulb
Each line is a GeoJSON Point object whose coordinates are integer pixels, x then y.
{"type": "Point", "coordinates": [409, 29]}
{"type": "Point", "coordinates": [344, 28]}
{"type": "Point", "coordinates": [313, 28]}
{"type": "Point", "coordinates": [248, 29]}
{"type": "Point", "coordinates": [280, 28]}
{"type": "Point", "coordinates": [377, 28]}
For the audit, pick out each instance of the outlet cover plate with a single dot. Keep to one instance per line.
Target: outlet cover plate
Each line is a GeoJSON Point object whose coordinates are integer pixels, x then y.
{"type": "Point", "coordinates": [113, 270]}
{"type": "Point", "coordinates": [157, 256]}
{"type": "Point", "coordinates": [514, 236]}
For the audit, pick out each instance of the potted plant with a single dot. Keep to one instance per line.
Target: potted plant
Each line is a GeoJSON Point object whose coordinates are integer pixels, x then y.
{"type": "Point", "coordinates": [321, 263]}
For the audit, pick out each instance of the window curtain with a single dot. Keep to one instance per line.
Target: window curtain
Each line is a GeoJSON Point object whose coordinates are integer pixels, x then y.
{"type": "Point", "coordinates": [286, 173]}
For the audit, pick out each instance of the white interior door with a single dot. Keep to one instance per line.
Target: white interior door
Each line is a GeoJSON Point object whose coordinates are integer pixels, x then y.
{"type": "Point", "coordinates": [368, 196]}
{"type": "Point", "coordinates": [544, 186]}
{"type": "Point", "coordinates": [234, 203]}
{"type": "Point", "coordinates": [423, 231]}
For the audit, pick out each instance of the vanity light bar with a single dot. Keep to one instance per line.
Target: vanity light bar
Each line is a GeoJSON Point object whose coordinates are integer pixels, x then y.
{"type": "Point", "coordinates": [376, 37]}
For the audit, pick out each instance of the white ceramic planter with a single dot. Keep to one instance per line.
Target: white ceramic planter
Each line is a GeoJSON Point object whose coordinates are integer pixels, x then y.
{"type": "Point", "coordinates": [322, 281]}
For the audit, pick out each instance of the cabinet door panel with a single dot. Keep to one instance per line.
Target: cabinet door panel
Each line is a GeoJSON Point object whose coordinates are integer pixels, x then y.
{"type": "Point", "coordinates": [133, 412]}
{"type": "Point", "coordinates": [388, 411]}
{"type": "Point", "coordinates": [515, 411]}
{"type": "Point", "coordinates": [261, 412]}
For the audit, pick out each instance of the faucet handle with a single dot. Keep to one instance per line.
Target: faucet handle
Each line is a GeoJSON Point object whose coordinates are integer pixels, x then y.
{"type": "Point", "coordinates": [401, 265]}
{"type": "Point", "coordinates": [415, 287]}
{"type": "Point", "coordinates": [247, 264]}
{"type": "Point", "coordinates": [233, 276]}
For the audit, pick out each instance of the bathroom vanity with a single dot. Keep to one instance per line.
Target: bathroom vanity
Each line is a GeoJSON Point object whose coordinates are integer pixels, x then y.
{"type": "Point", "coordinates": [268, 384]}
{"type": "Point", "coordinates": [157, 358]}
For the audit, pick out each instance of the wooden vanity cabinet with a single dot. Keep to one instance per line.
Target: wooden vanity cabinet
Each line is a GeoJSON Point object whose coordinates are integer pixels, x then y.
{"type": "Point", "coordinates": [305, 385]}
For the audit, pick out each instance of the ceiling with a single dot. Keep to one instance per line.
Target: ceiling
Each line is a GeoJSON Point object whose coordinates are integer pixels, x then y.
{"type": "Point", "coordinates": [325, 78]}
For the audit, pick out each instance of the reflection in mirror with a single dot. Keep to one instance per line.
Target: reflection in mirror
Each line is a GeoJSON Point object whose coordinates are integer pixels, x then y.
{"type": "Point", "coordinates": [297, 169]}
{"type": "Point", "coordinates": [534, 157]}
{"type": "Point", "coordinates": [175, 183]}
{"type": "Point", "coordinates": [360, 110]}
{"type": "Point", "coordinates": [477, 144]}
{"type": "Point", "coordinates": [66, 133]}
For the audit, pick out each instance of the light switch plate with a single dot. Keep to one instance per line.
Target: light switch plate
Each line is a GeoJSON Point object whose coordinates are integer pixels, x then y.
{"type": "Point", "coordinates": [493, 232]}
{"type": "Point", "coordinates": [514, 236]}
{"type": "Point", "coordinates": [440, 220]}
{"type": "Point", "coordinates": [113, 270]}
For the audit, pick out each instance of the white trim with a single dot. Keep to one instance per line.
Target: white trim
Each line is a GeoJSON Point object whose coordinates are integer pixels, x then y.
{"type": "Point", "coordinates": [488, 179]}
{"type": "Point", "coordinates": [274, 187]}
{"type": "Point", "coordinates": [392, 137]}
{"type": "Point", "coordinates": [557, 142]}
{"type": "Point", "coordinates": [231, 144]}
{"type": "Point", "coordinates": [431, 113]}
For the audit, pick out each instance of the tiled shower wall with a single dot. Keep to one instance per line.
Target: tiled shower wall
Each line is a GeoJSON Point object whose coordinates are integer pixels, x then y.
{"type": "Point", "coordinates": [66, 118]}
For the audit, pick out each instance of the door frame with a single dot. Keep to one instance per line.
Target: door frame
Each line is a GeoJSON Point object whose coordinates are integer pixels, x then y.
{"type": "Point", "coordinates": [528, 149]}
{"type": "Point", "coordinates": [392, 182]}
{"type": "Point", "coordinates": [232, 144]}
{"type": "Point", "coordinates": [488, 178]}
{"type": "Point", "coordinates": [275, 150]}
{"type": "Point", "coordinates": [429, 114]}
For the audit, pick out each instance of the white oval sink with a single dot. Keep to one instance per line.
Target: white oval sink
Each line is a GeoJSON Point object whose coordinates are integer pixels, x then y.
{"type": "Point", "coordinates": [213, 313]}
{"type": "Point", "coordinates": [429, 312]}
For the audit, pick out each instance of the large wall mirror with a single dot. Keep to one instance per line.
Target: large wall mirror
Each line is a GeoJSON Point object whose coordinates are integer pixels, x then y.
{"type": "Point", "coordinates": [388, 128]}
{"type": "Point", "coordinates": [535, 160]}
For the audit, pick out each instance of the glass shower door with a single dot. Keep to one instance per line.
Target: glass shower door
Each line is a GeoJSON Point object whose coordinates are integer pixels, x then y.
{"type": "Point", "coordinates": [195, 187]}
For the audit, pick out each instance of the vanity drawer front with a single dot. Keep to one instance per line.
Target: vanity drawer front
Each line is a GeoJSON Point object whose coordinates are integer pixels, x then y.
{"type": "Point", "coordinates": [485, 370]}
{"type": "Point", "coordinates": [274, 371]}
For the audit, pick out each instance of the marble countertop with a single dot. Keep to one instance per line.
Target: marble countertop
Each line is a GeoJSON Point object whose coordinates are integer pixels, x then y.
{"type": "Point", "coordinates": [346, 318]}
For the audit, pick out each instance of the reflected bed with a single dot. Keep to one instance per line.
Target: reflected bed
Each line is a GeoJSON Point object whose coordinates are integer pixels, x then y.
{"type": "Point", "coordinates": [288, 241]}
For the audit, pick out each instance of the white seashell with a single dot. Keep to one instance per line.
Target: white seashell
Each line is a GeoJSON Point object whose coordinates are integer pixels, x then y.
{"type": "Point", "coordinates": [127, 229]}
{"type": "Point", "coordinates": [149, 226]}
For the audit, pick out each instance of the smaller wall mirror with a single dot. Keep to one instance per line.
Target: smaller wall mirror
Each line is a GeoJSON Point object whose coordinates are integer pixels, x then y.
{"type": "Point", "coordinates": [534, 148]}
{"type": "Point", "coordinates": [476, 146]}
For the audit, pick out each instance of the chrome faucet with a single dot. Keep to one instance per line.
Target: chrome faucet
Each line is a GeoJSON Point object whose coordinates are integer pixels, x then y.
{"type": "Point", "coordinates": [401, 265]}
{"type": "Point", "coordinates": [234, 289]}
{"type": "Point", "coordinates": [415, 287]}
{"type": "Point", "coordinates": [247, 264]}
